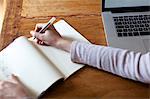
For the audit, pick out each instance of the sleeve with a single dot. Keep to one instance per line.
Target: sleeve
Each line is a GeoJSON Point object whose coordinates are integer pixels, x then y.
{"type": "Point", "coordinates": [121, 62]}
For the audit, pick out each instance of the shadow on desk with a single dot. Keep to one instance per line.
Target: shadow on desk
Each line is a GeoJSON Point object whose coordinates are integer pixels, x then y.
{"type": "Point", "coordinates": [93, 83]}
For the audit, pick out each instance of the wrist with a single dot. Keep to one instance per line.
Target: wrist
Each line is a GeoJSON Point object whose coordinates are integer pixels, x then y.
{"type": "Point", "coordinates": [63, 44]}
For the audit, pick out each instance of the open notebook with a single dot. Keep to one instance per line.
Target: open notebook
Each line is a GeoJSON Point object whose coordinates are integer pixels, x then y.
{"type": "Point", "coordinates": [38, 67]}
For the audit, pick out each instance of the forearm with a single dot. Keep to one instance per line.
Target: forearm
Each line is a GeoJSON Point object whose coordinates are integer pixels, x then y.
{"type": "Point", "coordinates": [121, 62]}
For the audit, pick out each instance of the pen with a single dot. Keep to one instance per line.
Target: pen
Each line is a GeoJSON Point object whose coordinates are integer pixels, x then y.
{"type": "Point", "coordinates": [44, 28]}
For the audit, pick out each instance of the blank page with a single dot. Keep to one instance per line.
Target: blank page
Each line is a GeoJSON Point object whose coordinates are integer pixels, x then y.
{"type": "Point", "coordinates": [5, 72]}
{"type": "Point", "coordinates": [33, 69]}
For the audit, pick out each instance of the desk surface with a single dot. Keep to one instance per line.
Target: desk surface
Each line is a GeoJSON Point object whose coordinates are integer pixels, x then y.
{"type": "Point", "coordinates": [84, 15]}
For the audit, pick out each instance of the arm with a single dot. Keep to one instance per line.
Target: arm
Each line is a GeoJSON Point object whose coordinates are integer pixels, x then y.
{"type": "Point", "coordinates": [124, 63]}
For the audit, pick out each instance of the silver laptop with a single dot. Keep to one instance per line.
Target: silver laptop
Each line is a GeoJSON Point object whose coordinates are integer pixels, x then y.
{"type": "Point", "coordinates": [127, 24]}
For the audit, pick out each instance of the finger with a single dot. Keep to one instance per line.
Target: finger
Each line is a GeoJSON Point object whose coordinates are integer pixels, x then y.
{"type": "Point", "coordinates": [18, 83]}
{"type": "Point", "coordinates": [40, 42]}
{"type": "Point", "coordinates": [52, 27]}
{"type": "Point", "coordinates": [1, 82]}
{"type": "Point", "coordinates": [39, 26]}
{"type": "Point", "coordinates": [37, 29]}
{"type": "Point", "coordinates": [15, 79]}
{"type": "Point", "coordinates": [1, 94]}
{"type": "Point", "coordinates": [8, 84]}
{"type": "Point", "coordinates": [37, 35]}
{"type": "Point", "coordinates": [32, 33]}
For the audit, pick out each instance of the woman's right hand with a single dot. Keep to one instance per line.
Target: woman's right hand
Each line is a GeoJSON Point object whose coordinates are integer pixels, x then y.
{"type": "Point", "coordinates": [51, 37]}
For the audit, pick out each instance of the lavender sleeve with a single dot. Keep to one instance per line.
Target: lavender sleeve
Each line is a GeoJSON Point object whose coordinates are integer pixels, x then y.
{"type": "Point", "coordinates": [121, 62]}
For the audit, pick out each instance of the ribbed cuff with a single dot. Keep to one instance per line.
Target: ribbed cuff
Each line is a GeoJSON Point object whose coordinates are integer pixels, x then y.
{"type": "Point", "coordinates": [73, 51]}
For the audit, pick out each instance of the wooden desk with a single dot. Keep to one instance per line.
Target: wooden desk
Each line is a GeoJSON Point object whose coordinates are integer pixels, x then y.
{"type": "Point", "coordinates": [84, 15]}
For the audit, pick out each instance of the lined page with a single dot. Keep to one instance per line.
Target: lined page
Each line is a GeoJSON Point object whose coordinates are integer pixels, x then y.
{"type": "Point", "coordinates": [35, 72]}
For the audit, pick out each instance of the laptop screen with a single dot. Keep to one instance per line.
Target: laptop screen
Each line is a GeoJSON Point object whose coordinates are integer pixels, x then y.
{"type": "Point", "coordinates": [126, 3]}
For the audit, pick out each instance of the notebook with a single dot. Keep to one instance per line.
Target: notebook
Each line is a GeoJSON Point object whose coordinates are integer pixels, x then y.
{"type": "Point", "coordinates": [39, 67]}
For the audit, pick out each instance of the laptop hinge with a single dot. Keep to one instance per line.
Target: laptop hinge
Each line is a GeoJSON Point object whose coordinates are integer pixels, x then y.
{"type": "Point", "coordinates": [128, 9]}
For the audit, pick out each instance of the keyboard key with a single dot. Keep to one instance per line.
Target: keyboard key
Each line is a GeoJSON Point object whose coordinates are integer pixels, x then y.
{"type": "Point", "coordinates": [125, 23]}
{"type": "Point", "coordinates": [134, 22]}
{"type": "Point", "coordinates": [141, 25]}
{"type": "Point", "coordinates": [121, 17]}
{"type": "Point", "coordinates": [141, 16]}
{"type": "Point", "coordinates": [137, 26]}
{"type": "Point", "coordinates": [132, 25]}
{"type": "Point", "coordinates": [145, 29]}
{"type": "Point", "coordinates": [130, 34]}
{"type": "Point", "coordinates": [126, 26]}
{"type": "Point", "coordinates": [139, 22]}
{"type": "Point", "coordinates": [147, 25]}
{"type": "Point", "coordinates": [119, 30]}
{"type": "Point", "coordinates": [130, 30]}
{"type": "Point", "coordinates": [144, 33]}
{"type": "Point", "coordinates": [120, 35]}
{"type": "Point", "coordinates": [140, 29]}
{"type": "Point", "coordinates": [125, 30]}
{"type": "Point", "coordinates": [144, 22]}
{"type": "Point", "coordinates": [125, 17]}
{"type": "Point", "coordinates": [120, 26]}
{"type": "Point", "coordinates": [125, 34]}
{"type": "Point", "coordinates": [136, 33]}
{"type": "Point", "coordinates": [135, 29]}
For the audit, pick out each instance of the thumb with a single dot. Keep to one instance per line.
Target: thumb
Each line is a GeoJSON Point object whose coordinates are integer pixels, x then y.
{"type": "Point", "coordinates": [37, 35]}
{"type": "Point", "coordinates": [15, 80]}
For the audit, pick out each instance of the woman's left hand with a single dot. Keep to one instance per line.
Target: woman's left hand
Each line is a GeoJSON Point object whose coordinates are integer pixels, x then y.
{"type": "Point", "coordinates": [12, 89]}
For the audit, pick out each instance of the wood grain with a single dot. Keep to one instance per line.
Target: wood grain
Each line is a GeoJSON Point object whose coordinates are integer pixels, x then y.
{"type": "Point", "coordinates": [85, 16]}
{"type": "Point", "coordinates": [38, 8]}
{"type": "Point", "coordinates": [2, 12]}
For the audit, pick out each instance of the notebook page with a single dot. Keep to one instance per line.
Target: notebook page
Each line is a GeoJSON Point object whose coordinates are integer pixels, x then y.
{"type": "Point", "coordinates": [33, 70]}
{"type": "Point", "coordinates": [60, 58]}
{"type": "Point", "coordinates": [5, 72]}
{"type": "Point", "coordinates": [67, 31]}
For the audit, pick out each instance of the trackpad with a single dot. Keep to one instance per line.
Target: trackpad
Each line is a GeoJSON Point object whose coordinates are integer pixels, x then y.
{"type": "Point", "coordinates": [147, 44]}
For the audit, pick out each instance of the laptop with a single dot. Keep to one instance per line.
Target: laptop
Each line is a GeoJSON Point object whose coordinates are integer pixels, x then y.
{"type": "Point", "coordinates": [127, 24]}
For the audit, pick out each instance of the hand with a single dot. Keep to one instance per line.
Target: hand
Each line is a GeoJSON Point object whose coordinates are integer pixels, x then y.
{"type": "Point", "coordinates": [51, 37]}
{"type": "Point", "coordinates": [12, 89]}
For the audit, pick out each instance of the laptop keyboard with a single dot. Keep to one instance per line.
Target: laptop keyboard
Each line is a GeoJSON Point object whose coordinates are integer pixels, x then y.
{"type": "Point", "coordinates": [138, 25]}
